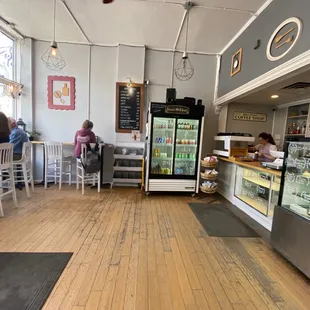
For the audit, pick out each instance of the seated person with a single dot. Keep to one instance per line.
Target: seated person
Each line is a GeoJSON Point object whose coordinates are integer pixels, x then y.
{"type": "Point", "coordinates": [17, 137]}
{"type": "Point", "coordinates": [83, 136]}
{"type": "Point", "coordinates": [4, 129]}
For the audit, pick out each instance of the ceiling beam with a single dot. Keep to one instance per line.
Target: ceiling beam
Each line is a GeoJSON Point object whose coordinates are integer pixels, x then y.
{"type": "Point", "coordinates": [152, 48]}
{"type": "Point", "coordinates": [218, 8]}
{"type": "Point", "coordinates": [246, 25]}
{"type": "Point", "coordinates": [10, 29]}
{"type": "Point", "coordinates": [75, 21]}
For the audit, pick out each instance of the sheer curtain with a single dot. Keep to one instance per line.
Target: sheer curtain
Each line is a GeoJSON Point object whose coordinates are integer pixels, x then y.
{"type": "Point", "coordinates": [7, 69]}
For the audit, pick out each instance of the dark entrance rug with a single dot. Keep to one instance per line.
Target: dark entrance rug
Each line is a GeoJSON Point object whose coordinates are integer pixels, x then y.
{"type": "Point", "coordinates": [27, 279]}
{"type": "Point", "coordinates": [219, 221]}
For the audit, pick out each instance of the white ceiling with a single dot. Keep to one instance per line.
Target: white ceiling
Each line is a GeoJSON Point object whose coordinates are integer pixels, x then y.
{"type": "Point", "coordinates": [263, 96]}
{"type": "Point", "coordinates": [154, 23]}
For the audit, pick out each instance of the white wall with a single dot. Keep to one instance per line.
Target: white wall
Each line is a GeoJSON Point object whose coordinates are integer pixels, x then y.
{"type": "Point", "coordinates": [102, 91]}
{"type": "Point", "coordinates": [95, 92]}
{"type": "Point", "coordinates": [60, 125]}
{"type": "Point", "coordinates": [200, 86]}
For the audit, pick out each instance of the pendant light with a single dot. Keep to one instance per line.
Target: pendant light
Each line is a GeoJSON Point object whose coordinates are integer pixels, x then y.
{"type": "Point", "coordinates": [52, 57]}
{"type": "Point", "coordinates": [184, 69]}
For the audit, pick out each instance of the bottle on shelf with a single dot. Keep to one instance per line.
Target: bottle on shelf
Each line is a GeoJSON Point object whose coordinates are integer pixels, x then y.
{"type": "Point", "coordinates": [304, 126]}
{"type": "Point", "coordinates": [294, 128]}
{"type": "Point", "coordinates": [289, 130]}
{"type": "Point", "coordinates": [298, 128]}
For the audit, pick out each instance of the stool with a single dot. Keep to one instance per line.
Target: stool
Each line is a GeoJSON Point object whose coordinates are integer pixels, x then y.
{"type": "Point", "coordinates": [24, 166]}
{"type": "Point", "coordinates": [55, 160]}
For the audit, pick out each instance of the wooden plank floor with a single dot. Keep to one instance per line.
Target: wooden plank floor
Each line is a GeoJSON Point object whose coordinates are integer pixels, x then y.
{"type": "Point", "coordinates": [137, 252]}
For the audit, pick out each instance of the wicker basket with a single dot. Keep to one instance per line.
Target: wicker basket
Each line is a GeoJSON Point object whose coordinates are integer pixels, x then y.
{"type": "Point", "coordinates": [210, 177]}
{"type": "Point", "coordinates": [208, 164]}
{"type": "Point", "coordinates": [208, 190]}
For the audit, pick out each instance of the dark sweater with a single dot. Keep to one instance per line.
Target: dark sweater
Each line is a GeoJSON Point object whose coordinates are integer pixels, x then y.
{"type": "Point", "coordinates": [5, 140]}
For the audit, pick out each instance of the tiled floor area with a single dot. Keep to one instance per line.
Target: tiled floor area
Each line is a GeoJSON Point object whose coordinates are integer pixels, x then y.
{"type": "Point", "coordinates": [137, 252]}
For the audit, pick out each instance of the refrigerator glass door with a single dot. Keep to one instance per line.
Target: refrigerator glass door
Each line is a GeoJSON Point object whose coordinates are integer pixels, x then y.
{"type": "Point", "coordinates": [296, 185]}
{"type": "Point", "coordinates": [186, 147]}
{"type": "Point", "coordinates": [162, 150]}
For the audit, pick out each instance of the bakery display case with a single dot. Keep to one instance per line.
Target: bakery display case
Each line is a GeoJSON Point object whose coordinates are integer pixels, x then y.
{"type": "Point", "coordinates": [258, 189]}
{"type": "Point", "coordinates": [291, 222]}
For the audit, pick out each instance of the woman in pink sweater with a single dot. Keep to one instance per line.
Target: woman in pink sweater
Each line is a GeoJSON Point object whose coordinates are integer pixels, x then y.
{"type": "Point", "coordinates": [83, 136]}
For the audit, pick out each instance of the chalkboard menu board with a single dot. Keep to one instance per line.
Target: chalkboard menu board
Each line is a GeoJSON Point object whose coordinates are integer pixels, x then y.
{"type": "Point", "coordinates": [129, 107]}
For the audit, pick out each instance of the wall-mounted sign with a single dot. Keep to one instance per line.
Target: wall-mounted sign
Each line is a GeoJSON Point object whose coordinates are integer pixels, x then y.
{"type": "Point", "coordinates": [236, 62]}
{"type": "Point", "coordinates": [250, 117]}
{"type": "Point", "coordinates": [176, 109]}
{"type": "Point", "coordinates": [129, 107]}
{"type": "Point", "coordinates": [284, 38]}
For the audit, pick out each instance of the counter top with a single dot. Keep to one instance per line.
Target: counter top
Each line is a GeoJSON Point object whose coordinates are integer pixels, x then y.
{"type": "Point", "coordinates": [254, 165]}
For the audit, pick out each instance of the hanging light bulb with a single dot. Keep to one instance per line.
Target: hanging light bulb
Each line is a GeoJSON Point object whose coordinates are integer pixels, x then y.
{"type": "Point", "coordinates": [54, 50]}
{"type": "Point", "coordinates": [184, 69]}
{"type": "Point", "coordinates": [52, 57]}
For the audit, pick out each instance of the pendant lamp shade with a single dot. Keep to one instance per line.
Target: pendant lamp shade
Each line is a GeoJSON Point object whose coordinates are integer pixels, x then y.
{"type": "Point", "coordinates": [52, 57]}
{"type": "Point", "coordinates": [184, 69]}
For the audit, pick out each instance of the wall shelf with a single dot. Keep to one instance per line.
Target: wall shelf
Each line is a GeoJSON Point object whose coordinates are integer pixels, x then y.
{"type": "Point", "coordinates": [120, 168]}
{"type": "Point", "coordinates": [128, 169]}
{"type": "Point", "coordinates": [297, 116]}
{"type": "Point", "coordinates": [132, 157]}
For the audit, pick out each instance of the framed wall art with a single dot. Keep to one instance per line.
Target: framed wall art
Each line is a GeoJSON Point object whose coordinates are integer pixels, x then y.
{"type": "Point", "coordinates": [284, 38]}
{"type": "Point", "coordinates": [236, 62]}
{"type": "Point", "coordinates": [61, 92]}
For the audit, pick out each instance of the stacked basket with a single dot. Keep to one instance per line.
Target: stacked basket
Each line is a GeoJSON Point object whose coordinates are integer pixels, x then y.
{"type": "Point", "coordinates": [209, 186]}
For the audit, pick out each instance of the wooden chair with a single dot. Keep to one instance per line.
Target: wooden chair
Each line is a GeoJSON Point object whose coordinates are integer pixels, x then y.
{"type": "Point", "coordinates": [7, 174]}
{"type": "Point", "coordinates": [81, 174]}
{"type": "Point", "coordinates": [54, 161]}
{"type": "Point", "coordinates": [23, 168]}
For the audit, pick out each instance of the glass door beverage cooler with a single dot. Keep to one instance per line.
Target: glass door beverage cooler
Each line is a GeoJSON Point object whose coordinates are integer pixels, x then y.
{"type": "Point", "coordinates": [291, 222]}
{"type": "Point", "coordinates": [174, 148]}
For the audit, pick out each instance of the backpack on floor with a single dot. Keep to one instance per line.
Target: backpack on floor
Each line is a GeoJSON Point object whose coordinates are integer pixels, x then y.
{"type": "Point", "coordinates": [92, 160]}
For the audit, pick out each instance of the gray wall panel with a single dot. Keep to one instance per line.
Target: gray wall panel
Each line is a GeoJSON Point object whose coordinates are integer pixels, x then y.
{"type": "Point", "coordinates": [255, 62]}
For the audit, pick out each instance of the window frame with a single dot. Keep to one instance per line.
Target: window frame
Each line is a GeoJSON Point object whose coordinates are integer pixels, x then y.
{"type": "Point", "coordinates": [14, 73]}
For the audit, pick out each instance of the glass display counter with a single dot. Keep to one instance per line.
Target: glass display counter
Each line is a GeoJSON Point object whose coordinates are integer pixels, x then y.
{"type": "Point", "coordinates": [258, 189]}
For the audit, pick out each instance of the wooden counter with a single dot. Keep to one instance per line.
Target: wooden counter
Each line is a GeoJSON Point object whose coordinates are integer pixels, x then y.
{"type": "Point", "coordinates": [254, 165]}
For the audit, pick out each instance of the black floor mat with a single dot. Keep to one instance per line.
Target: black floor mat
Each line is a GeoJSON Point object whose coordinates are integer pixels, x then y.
{"type": "Point", "coordinates": [219, 221]}
{"type": "Point", "coordinates": [27, 279]}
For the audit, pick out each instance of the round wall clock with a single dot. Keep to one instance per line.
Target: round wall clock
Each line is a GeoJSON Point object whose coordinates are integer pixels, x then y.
{"type": "Point", "coordinates": [284, 38]}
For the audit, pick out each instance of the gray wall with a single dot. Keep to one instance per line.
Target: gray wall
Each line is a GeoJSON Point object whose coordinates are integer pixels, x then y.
{"type": "Point", "coordinates": [255, 62]}
{"type": "Point", "coordinates": [254, 128]}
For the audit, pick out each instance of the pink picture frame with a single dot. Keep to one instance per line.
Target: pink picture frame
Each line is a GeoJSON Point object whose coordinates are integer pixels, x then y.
{"type": "Point", "coordinates": [61, 92]}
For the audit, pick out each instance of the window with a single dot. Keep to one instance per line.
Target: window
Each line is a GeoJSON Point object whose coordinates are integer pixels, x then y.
{"type": "Point", "coordinates": [7, 66]}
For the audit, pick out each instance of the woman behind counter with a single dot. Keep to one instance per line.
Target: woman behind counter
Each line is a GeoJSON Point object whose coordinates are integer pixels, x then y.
{"type": "Point", "coordinates": [266, 144]}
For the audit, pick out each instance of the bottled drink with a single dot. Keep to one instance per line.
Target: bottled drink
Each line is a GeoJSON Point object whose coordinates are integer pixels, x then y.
{"type": "Point", "coordinates": [303, 129]}
{"type": "Point", "coordinates": [298, 129]}
{"type": "Point", "coordinates": [294, 128]}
